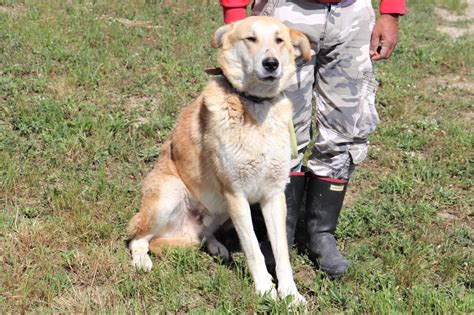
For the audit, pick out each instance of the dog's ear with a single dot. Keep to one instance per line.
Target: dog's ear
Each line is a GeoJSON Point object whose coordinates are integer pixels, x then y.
{"type": "Point", "coordinates": [219, 34]}
{"type": "Point", "coordinates": [301, 44]}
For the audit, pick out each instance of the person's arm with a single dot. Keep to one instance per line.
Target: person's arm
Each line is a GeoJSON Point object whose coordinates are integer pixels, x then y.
{"type": "Point", "coordinates": [234, 10]}
{"type": "Point", "coordinates": [385, 33]}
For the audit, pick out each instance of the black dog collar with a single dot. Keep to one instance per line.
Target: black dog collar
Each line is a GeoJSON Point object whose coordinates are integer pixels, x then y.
{"type": "Point", "coordinates": [251, 98]}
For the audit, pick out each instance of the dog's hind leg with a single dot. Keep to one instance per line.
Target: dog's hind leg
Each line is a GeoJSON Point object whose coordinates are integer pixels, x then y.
{"type": "Point", "coordinates": [183, 229]}
{"type": "Point", "coordinates": [215, 247]}
{"type": "Point", "coordinates": [164, 200]}
{"type": "Point", "coordinates": [158, 244]}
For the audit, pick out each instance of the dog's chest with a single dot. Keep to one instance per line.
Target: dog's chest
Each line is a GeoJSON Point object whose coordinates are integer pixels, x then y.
{"type": "Point", "coordinates": [254, 148]}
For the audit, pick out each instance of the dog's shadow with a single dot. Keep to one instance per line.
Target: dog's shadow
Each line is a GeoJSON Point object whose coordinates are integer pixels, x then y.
{"type": "Point", "coordinates": [228, 236]}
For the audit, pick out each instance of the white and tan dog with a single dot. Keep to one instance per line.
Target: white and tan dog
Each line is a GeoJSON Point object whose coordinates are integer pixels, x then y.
{"type": "Point", "coordinates": [230, 148]}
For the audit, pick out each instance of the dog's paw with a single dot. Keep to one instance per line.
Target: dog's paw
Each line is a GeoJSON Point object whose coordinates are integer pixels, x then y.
{"type": "Point", "coordinates": [271, 293]}
{"type": "Point", "coordinates": [216, 248]}
{"type": "Point", "coordinates": [142, 261]}
{"type": "Point", "coordinates": [291, 291]}
{"type": "Point", "coordinates": [265, 287]}
{"type": "Point", "coordinates": [298, 300]}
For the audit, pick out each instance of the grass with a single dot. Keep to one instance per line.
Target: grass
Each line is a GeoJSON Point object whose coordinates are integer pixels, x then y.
{"type": "Point", "coordinates": [89, 90]}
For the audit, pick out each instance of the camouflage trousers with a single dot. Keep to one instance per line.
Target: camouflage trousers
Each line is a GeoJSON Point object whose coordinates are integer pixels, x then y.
{"type": "Point", "coordinates": [339, 78]}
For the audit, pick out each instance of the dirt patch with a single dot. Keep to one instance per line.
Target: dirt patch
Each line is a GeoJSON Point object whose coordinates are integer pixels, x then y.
{"type": "Point", "coordinates": [448, 81]}
{"type": "Point", "coordinates": [448, 16]}
{"type": "Point", "coordinates": [456, 32]}
{"type": "Point", "coordinates": [142, 102]}
{"type": "Point", "coordinates": [469, 116]}
{"type": "Point", "coordinates": [60, 86]}
{"type": "Point", "coordinates": [130, 23]}
{"type": "Point", "coordinates": [305, 275]}
{"type": "Point", "coordinates": [82, 296]}
{"type": "Point", "coordinates": [452, 31]}
{"type": "Point", "coordinates": [447, 216]}
{"type": "Point", "coordinates": [460, 218]}
{"type": "Point", "coordinates": [13, 11]}
{"type": "Point", "coordinates": [141, 108]}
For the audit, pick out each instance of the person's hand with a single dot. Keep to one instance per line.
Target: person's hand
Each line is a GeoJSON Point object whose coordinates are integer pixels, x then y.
{"type": "Point", "coordinates": [384, 37]}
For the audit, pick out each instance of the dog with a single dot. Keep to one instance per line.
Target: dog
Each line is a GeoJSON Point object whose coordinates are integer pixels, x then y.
{"type": "Point", "coordinates": [230, 148]}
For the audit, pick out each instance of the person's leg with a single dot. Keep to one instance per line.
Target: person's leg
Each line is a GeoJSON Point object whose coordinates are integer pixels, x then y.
{"type": "Point", "coordinates": [345, 92]}
{"type": "Point", "coordinates": [297, 15]}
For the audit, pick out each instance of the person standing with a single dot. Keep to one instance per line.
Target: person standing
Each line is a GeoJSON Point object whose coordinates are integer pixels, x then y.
{"type": "Point", "coordinates": [345, 38]}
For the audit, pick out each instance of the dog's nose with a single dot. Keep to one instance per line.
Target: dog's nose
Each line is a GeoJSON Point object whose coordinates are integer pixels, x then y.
{"type": "Point", "coordinates": [270, 64]}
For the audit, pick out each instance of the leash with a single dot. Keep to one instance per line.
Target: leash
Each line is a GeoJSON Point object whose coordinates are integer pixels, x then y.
{"type": "Point", "coordinates": [293, 143]}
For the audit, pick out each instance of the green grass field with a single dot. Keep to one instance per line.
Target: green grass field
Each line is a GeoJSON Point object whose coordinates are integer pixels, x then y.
{"type": "Point", "coordinates": [89, 90]}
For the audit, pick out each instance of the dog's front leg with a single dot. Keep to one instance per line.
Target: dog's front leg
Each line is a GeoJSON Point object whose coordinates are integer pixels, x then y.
{"type": "Point", "coordinates": [274, 212]}
{"type": "Point", "coordinates": [239, 211]}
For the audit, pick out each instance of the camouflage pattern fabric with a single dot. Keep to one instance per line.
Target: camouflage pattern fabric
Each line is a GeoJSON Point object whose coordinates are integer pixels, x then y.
{"type": "Point", "coordinates": [340, 78]}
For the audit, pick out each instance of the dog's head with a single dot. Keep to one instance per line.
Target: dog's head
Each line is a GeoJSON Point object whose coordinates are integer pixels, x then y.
{"type": "Point", "coordinates": [257, 54]}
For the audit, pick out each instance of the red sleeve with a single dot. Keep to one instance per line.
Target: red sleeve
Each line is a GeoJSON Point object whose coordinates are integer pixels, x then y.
{"type": "Point", "coordinates": [234, 10]}
{"type": "Point", "coordinates": [392, 6]}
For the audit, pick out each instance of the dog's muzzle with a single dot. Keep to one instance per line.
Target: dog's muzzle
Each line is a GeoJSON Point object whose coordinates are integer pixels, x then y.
{"type": "Point", "coordinates": [270, 64]}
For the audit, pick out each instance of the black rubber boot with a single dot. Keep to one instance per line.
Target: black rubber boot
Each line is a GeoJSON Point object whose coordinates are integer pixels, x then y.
{"type": "Point", "coordinates": [294, 192]}
{"type": "Point", "coordinates": [323, 205]}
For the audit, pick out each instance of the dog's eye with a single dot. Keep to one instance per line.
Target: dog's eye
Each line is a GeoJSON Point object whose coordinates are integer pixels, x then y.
{"type": "Point", "coordinates": [251, 39]}
{"type": "Point", "coordinates": [279, 40]}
